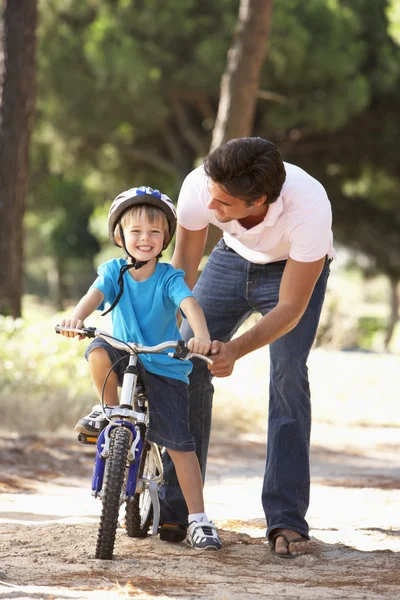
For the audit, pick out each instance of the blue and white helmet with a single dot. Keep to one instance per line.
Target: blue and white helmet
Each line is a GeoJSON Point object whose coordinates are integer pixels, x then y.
{"type": "Point", "coordinates": [141, 195]}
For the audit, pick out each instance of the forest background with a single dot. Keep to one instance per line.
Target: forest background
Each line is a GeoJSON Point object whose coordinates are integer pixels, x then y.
{"type": "Point", "coordinates": [126, 93]}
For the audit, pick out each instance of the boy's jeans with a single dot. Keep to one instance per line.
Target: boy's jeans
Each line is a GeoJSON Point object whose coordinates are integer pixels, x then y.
{"type": "Point", "coordinates": [229, 290]}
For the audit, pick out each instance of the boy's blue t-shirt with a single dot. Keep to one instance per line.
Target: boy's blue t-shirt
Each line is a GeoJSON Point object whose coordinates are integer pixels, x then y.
{"type": "Point", "coordinates": [146, 312]}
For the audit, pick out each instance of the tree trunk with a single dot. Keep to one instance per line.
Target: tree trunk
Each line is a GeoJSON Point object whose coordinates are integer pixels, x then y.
{"type": "Point", "coordinates": [18, 42]}
{"type": "Point", "coordinates": [394, 311]}
{"type": "Point", "coordinates": [62, 288]}
{"type": "Point", "coordinates": [240, 81]}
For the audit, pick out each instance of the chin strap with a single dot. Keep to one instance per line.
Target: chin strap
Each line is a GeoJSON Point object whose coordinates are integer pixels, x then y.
{"type": "Point", "coordinates": [122, 271]}
{"type": "Point", "coordinates": [134, 264]}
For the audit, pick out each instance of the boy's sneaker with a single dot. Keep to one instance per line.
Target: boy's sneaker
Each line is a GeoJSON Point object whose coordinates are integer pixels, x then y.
{"type": "Point", "coordinates": [93, 423]}
{"type": "Point", "coordinates": [203, 536]}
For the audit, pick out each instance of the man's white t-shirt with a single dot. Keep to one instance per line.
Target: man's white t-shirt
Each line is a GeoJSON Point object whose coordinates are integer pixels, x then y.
{"type": "Point", "coordinates": [297, 225]}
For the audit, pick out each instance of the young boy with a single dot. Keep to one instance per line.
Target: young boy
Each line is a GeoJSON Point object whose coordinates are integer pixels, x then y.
{"type": "Point", "coordinates": [145, 295]}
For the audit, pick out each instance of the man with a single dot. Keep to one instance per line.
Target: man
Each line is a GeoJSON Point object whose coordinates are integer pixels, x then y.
{"type": "Point", "coordinates": [273, 259]}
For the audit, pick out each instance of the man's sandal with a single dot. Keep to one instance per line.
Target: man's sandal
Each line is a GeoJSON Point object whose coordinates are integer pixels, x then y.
{"type": "Point", "coordinates": [272, 544]}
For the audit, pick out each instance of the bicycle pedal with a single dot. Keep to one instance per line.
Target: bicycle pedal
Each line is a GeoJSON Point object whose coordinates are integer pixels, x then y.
{"type": "Point", "coordinates": [87, 439]}
{"type": "Point", "coordinates": [172, 532]}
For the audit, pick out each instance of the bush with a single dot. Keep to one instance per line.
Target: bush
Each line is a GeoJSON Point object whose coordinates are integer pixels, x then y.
{"type": "Point", "coordinates": [368, 328]}
{"type": "Point", "coordinates": [44, 379]}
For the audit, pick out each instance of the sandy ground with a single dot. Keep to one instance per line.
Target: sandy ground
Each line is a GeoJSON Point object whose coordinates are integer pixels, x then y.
{"type": "Point", "coordinates": [48, 526]}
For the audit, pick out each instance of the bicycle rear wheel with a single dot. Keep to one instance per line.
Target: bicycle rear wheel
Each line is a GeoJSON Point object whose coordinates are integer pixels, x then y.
{"type": "Point", "coordinates": [139, 510]}
{"type": "Point", "coordinates": [115, 478]}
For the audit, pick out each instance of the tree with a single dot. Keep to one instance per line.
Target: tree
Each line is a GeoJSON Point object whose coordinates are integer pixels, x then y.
{"type": "Point", "coordinates": [66, 242]}
{"type": "Point", "coordinates": [357, 159]}
{"type": "Point", "coordinates": [241, 79]}
{"type": "Point", "coordinates": [16, 120]}
{"type": "Point", "coordinates": [128, 94]}
{"type": "Point", "coordinates": [131, 87]}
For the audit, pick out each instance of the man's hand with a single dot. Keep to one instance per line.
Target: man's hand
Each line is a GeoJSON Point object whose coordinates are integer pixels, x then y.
{"type": "Point", "coordinates": [224, 359]}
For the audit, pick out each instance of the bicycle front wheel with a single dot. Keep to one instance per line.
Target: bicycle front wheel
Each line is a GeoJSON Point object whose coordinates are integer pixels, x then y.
{"type": "Point", "coordinates": [120, 440]}
{"type": "Point", "coordinates": [139, 510]}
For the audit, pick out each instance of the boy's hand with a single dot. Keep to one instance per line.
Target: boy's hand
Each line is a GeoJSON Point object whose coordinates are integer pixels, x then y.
{"type": "Point", "coordinates": [199, 345]}
{"type": "Point", "coordinates": [72, 322]}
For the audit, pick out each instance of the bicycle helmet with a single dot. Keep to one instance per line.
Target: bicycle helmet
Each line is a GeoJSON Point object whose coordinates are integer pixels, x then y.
{"type": "Point", "coordinates": [124, 201]}
{"type": "Point", "coordinates": [141, 195]}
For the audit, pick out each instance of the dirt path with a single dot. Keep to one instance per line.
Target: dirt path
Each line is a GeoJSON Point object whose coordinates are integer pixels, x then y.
{"type": "Point", "coordinates": [48, 526]}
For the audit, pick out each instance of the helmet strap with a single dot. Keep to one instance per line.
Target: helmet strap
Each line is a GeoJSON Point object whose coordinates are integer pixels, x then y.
{"type": "Point", "coordinates": [135, 264]}
{"type": "Point", "coordinates": [122, 271]}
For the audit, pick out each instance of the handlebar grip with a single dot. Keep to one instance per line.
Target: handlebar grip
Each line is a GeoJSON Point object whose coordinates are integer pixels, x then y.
{"type": "Point", "coordinates": [180, 355]}
{"type": "Point", "coordinates": [89, 332]}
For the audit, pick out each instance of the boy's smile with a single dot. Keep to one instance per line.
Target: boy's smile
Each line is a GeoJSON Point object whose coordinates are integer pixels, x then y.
{"type": "Point", "coordinates": [145, 248]}
{"type": "Point", "coordinates": [144, 239]}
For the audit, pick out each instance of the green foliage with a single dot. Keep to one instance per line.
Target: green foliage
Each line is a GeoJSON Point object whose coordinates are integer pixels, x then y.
{"type": "Point", "coordinates": [315, 58]}
{"type": "Point", "coordinates": [128, 91]}
{"type": "Point", "coordinates": [44, 378]}
{"type": "Point", "coordinates": [356, 157]}
{"type": "Point", "coordinates": [65, 231]}
{"type": "Point", "coordinates": [393, 14]}
{"type": "Point", "coordinates": [114, 67]}
{"type": "Point", "coordinates": [368, 328]}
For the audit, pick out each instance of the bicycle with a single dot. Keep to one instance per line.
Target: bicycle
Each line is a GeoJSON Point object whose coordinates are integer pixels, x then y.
{"type": "Point", "coordinates": [127, 468]}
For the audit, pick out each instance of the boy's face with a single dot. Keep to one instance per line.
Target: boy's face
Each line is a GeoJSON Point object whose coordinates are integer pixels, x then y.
{"type": "Point", "coordinates": [144, 239]}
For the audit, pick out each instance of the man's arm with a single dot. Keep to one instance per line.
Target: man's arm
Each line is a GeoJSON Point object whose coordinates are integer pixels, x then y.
{"type": "Point", "coordinates": [297, 285]}
{"type": "Point", "coordinates": [189, 250]}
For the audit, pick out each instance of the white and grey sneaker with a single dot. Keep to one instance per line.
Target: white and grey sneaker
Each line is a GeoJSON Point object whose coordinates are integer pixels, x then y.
{"type": "Point", "coordinates": [93, 423]}
{"type": "Point", "coordinates": [203, 536]}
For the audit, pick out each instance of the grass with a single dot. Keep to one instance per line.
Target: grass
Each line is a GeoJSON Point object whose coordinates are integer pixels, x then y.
{"type": "Point", "coordinates": [353, 388]}
{"type": "Point", "coordinates": [44, 381]}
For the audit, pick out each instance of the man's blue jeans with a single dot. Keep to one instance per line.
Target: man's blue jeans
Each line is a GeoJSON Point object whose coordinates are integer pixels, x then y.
{"type": "Point", "coordinates": [229, 290]}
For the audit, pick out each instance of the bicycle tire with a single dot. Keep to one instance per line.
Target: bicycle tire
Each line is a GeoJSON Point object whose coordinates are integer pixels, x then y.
{"type": "Point", "coordinates": [120, 440]}
{"type": "Point", "coordinates": [139, 510]}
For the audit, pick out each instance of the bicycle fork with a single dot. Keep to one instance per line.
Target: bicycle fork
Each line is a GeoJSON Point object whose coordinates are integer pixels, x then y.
{"type": "Point", "coordinates": [134, 484]}
{"type": "Point", "coordinates": [103, 442]}
{"type": "Point", "coordinates": [103, 451]}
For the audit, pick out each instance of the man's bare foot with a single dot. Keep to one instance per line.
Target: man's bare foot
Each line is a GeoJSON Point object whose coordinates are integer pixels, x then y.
{"type": "Point", "coordinates": [288, 544]}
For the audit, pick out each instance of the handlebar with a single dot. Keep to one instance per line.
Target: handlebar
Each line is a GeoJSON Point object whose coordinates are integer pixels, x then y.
{"type": "Point", "coordinates": [181, 350]}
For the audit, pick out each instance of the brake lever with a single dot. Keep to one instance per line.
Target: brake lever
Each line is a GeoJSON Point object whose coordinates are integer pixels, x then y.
{"type": "Point", "coordinates": [186, 355]}
{"type": "Point", "coordinates": [181, 351]}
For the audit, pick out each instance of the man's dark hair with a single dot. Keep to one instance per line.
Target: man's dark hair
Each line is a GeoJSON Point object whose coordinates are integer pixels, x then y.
{"type": "Point", "coordinates": [247, 168]}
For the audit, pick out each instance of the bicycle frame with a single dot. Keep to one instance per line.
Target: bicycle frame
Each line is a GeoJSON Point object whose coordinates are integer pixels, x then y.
{"type": "Point", "coordinates": [119, 416]}
{"type": "Point", "coordinates": [124, 415]}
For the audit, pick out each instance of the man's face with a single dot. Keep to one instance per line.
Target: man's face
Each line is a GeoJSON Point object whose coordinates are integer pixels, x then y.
{"type": "Point", "coordinates": [228, 208]}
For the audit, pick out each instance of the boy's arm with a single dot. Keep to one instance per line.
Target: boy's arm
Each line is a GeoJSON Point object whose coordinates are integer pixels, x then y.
{"type": "Point", "coordinates": [201, 342]}
{"type": "Point", "coordinates": [82, 310]}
